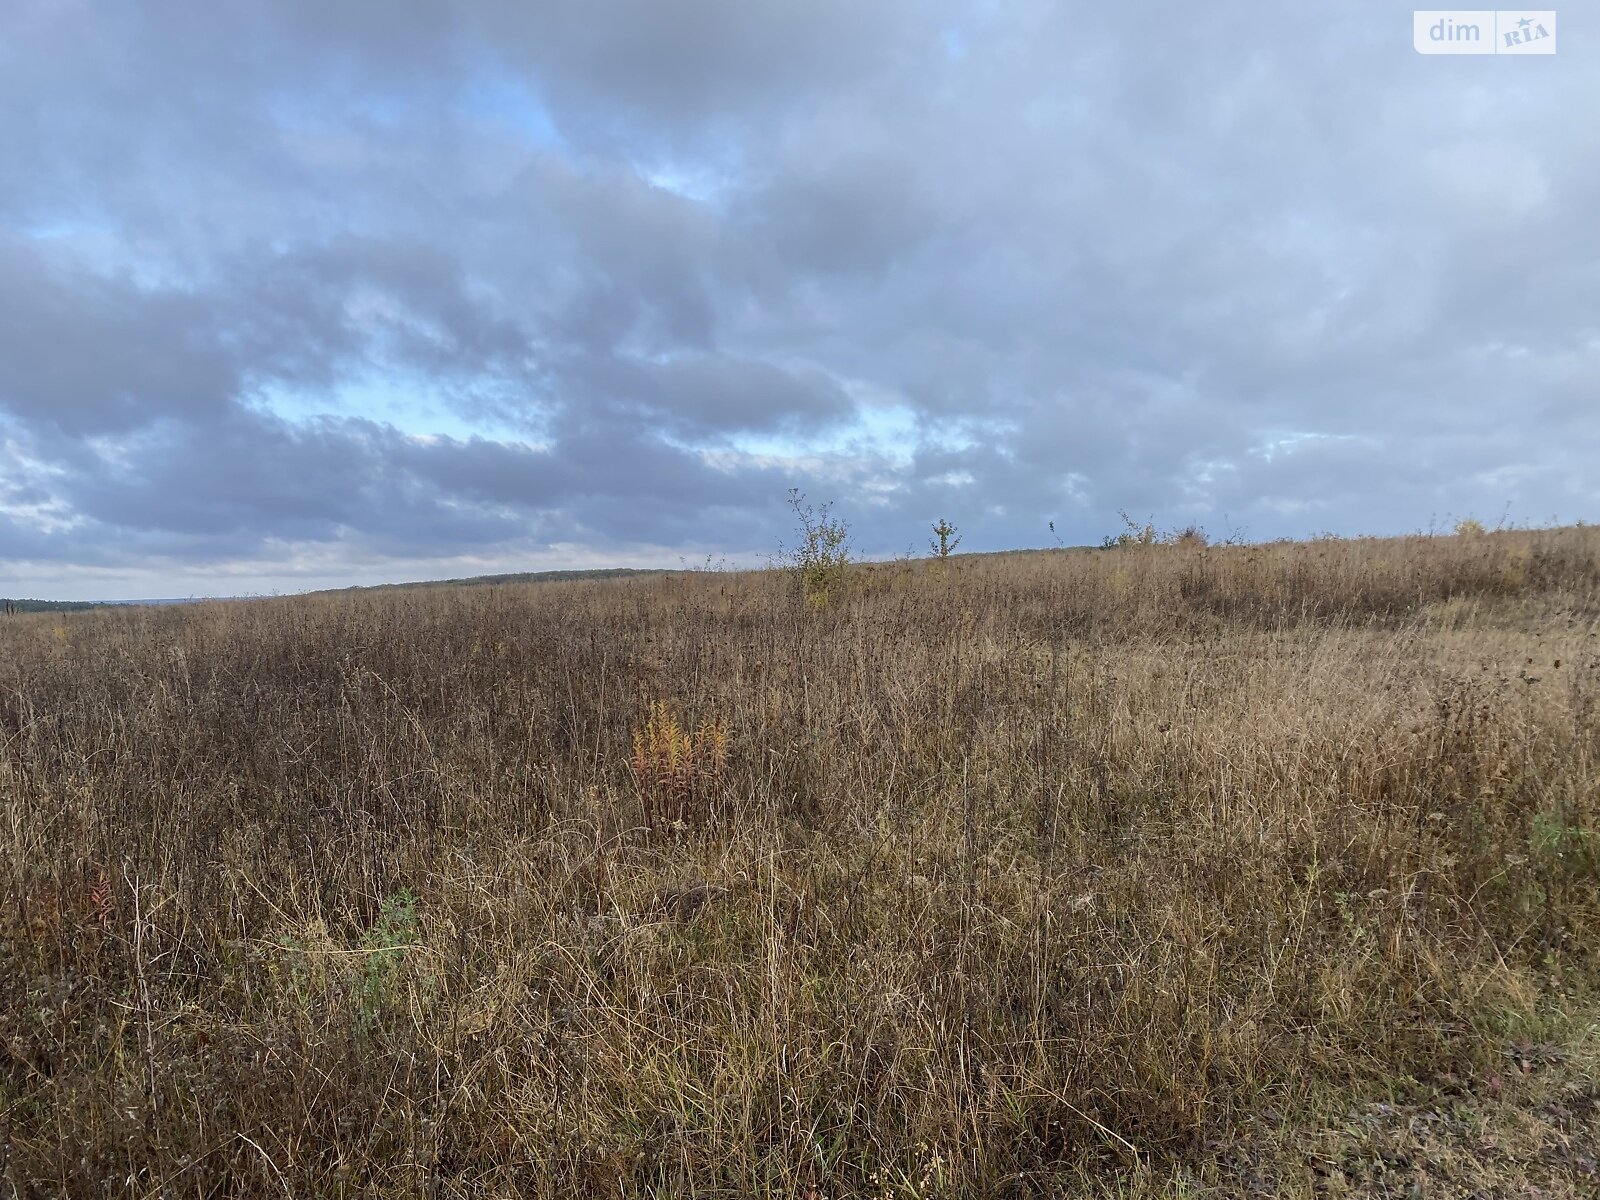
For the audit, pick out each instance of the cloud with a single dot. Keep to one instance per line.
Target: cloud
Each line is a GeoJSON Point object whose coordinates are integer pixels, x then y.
{"type": "Point", "coordinates": [85, 353]}
{"type": "Point", "coordinates": [287, 286]}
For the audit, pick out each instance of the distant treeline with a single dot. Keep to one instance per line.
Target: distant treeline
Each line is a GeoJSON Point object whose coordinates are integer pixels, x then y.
{"type": "Point", "coordinates": [7, 606]}
{"type": "Point", "coordinates": [518, 577]}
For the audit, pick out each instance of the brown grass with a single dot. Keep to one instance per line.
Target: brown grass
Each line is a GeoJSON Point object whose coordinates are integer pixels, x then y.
{"type": "Point", "coordinates": [1166, 871]}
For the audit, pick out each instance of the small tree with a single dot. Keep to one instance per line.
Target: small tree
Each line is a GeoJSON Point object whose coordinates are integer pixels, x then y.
{"type": "Point", "coordinates": [1133, 534]}
{"type": "Point", "coordinates": [821, 553]}
{"type": "Point", "coordinates": [945, 539]}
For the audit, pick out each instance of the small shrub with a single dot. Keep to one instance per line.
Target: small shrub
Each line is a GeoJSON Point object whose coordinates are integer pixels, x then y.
{"type": "Point", "coordinates": [1133, 535]}
{"type": "Point", "coordinates": [821, 554]}
{"type": "Point", "coordinates": [1136, 535]}
{"type": "Point", "coordinates": [678, 769]}
{"type": "Point", "coordinates": [1565, 850]}
{"type": "Point", "coordinates": [316, 968]}
{"type": "Point", "coordinates": [386, 942]}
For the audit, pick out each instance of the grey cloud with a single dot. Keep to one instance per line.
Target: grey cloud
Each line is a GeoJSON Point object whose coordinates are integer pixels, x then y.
{"type": "Point", "coordinates": [301, 313]}
{"type": "Point", "coordinates": [87, 354]}
{"type": "Point", "coordinates": [253, 480]}
{"type": "Point", "coordinates": [706, 395]}
{"type": "Point", "coordinates": [859, 215]}
{"type": "Point", "coordinates": [684, 71]}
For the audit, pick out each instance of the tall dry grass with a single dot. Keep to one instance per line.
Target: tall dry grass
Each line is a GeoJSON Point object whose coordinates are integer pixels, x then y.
{"type": "Point", "coordinates": [1031, 876]}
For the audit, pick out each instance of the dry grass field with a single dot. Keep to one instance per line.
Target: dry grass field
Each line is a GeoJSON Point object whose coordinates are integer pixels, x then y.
{"type": "Point", "coordinates": [1158, 871]}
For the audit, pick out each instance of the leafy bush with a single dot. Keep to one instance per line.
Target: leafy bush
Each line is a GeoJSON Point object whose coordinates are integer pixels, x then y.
{"type": "Point", "coordinates": [1136, 535]}
{"type": "Point", "coordinates": [385, 945]}
{"type": "Point", "coordinates": [821, 554]}
{"type": "Point", "coordinates": [1133, 535]}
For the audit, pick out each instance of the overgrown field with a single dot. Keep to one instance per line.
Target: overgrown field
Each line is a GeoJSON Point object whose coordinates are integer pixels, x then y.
{"type": "Point", "coordinates": [1148, 871]}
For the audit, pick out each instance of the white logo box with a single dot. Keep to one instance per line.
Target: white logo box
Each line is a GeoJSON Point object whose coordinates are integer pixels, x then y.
{"type": "Point", "coordinates": [1484, 31]}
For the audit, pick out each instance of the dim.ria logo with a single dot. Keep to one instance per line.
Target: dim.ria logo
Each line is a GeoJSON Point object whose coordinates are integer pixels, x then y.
{"type": "Point", "coordinates": [1484, 31]}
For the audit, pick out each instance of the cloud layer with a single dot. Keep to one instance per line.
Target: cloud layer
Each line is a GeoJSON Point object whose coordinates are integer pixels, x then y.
{"type": "Point", "coordinates": [295, 294]}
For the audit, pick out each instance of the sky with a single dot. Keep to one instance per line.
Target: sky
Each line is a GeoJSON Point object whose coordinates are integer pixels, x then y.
{"type": "Point", "coordinates": [299, 294]}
